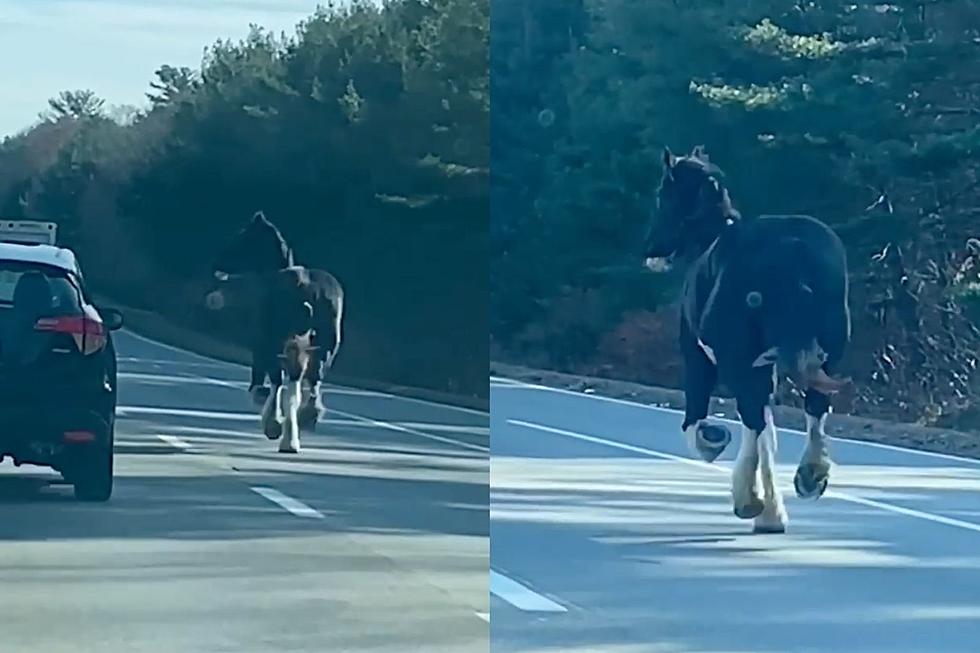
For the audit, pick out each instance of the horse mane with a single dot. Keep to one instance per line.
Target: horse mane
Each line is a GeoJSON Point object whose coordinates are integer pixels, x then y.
{"type": "Point", "coordinates": [288, 257]}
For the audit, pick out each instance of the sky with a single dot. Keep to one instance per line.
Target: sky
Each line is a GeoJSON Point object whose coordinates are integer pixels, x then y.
{"type": "Point", "coordinates": [113, 46]}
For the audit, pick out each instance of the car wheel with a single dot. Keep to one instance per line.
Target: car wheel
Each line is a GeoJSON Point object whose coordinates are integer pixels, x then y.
{"type": "Point", "coordinates": [92, 477]}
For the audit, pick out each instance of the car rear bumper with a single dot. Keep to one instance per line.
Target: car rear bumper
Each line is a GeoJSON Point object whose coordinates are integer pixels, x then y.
{"type": "Point", "coordinates": [50, 434]}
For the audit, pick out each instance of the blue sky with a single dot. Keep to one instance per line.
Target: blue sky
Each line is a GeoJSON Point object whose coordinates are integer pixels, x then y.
{"type": "Point", "coordinates": [113, 46]}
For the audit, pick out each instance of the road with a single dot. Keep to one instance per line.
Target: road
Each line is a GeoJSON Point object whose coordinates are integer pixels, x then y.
{"type": "Point", "coordinates": [608, 537]}
{"type": "Point", "coordinates": [374, 538]}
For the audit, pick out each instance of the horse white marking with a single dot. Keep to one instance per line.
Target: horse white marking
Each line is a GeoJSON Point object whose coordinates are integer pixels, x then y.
{"type": "Point", "coordinates": [768, 357]}
{"type": "Point", "coordinates": [691, 436]}
{"type": "Point", "coordinates": [288, 400]}
{"type": "Point", "coordinates": [773, 517]}
{"type": "Point", "coordinates": [708, 351]}
{"type": "Point", "coordinates": [658, 264]}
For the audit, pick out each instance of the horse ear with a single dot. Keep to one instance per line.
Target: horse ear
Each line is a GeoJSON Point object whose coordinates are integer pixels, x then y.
{"type": "Point", "coordinates": [259, 218]}
{"type": "Point", "coordinates": [699, 153]}
{"type": "Point", "coordinates": [669, 159]}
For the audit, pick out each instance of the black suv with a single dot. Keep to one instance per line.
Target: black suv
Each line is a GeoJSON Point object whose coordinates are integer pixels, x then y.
{"type": "Point", "coordinates": [57, 369]}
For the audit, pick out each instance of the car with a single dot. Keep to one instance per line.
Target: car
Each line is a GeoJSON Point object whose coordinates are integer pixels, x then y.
{"type": "Point", "coordinates": [57, 362]}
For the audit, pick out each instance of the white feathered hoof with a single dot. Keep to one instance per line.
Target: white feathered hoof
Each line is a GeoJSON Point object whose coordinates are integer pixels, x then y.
{"type": "Point", "coordinates": [811, 480]}
{"type": "Point", "coordinates": [285, 446]}
{"type": "Point", "coordinates": [765, 527]}
{"type": "Point", "coordinates": [711, 440]}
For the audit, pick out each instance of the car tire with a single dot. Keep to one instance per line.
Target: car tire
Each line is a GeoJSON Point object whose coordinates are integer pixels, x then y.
{"type": "Point", "coordinates": [92, 477]}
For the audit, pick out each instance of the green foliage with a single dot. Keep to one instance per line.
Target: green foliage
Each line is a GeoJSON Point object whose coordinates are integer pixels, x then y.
{"type": "Point", "coordinates": [364, 136]}
{"type": "Point", "coordinates": [862, 114]}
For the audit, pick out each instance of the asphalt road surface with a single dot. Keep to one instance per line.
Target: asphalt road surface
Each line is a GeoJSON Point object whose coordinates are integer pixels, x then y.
{"type": "Point", "coordinates": [608, 537]}
{"type": "Point", "coordinates": [374, 538]}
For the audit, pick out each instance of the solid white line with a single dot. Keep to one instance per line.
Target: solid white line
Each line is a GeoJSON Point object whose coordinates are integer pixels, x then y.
{"type": "Point", "coordinates": [402, 429]}
{"type": "Point", "coordinates": [520, 596]}
{"type": "Point", "coordinates": [213, 361]}
{"type": "Point", "coordinates": [175, 442]}
{"type": "Point", "coordinates": [352, 420]}
{"type": "Point", "coordinates": [516, 385]}
{"type": "Point", "coordinates": [366, 420]}
{"type": "Point", "coordinates": [124, 411]}
{"type": "Point", "coordinates": [724, 469]}
{"type": "Point", "coordinates": [918, 514]}
{"type": "Point", "coordinates": [286, 502]}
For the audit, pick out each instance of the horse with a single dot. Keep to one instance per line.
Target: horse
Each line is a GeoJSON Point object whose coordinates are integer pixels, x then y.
{"type": "Point", "coordinates": [297, 316]}
{"type": "Point", "coordinates": [761, 296]}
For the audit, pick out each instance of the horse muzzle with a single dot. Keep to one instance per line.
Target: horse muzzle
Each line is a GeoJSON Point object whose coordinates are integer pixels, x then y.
{"type": "Point", "coordinates": [215, 300]}
{"type": "Point", "coordinates": [659, 264]}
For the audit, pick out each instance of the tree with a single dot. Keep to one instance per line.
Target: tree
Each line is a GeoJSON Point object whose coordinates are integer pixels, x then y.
{"type": "Point", "coordinates": [171, 84]}
{"type": "Point", "coordinates": [76, 105]}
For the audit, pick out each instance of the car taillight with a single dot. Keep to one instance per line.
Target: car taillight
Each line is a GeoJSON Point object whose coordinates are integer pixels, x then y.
{"type": "Point", "coordinates": [89, 334]}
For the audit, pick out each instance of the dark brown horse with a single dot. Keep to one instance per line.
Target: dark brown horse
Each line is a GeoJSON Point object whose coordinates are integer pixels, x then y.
{"type": "Point", "coordinates": [763, 295]}
{"type": "Point", "coordinates": [296, 329]}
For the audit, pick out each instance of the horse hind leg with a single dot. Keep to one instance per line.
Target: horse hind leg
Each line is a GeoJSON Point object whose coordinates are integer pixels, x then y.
{"type": "Point", "coordinates": [312, 408]}
{"type": "Point", "coordinates": [271, 425]}
{"type": "Point", "coordinates": [813, 472]}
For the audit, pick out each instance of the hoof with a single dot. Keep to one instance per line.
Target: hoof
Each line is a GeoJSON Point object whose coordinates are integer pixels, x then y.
{"type": "Point", "coordinates": [711, 441]}
{"type": "Point", "coordinates": [308, 416]}
{"type": "Point", "coordinates": [273, 431]}
{"type": "Point", "coordinates": [750, 510]}
{"type": "Point", "coordinates": [811, 482]}
{"type": "Point", "coordinates": [287, 448]}
{"type": "Point", "coordinates": [769, 529]}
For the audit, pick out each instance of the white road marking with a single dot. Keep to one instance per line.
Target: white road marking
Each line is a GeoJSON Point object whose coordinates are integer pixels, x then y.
{"type": "Point", "coordinates": [520, 596]}
{"type": "Point", "coordinates": [175, 442]}
{"type": "Point", "coordinates": [358, 421]}
{"type": "Point", "coordinates": [518, 385]}
{"type": "Point", "coordinates": [125, 411]}
{"type": "Point", "coordinates": [724, 469]}
{"type": "Point", "coordinates": [286, 502]}
{"type": "Point", "coordinates": [403, 429]}
{"type": "Point", "coordinates": [210, 361]}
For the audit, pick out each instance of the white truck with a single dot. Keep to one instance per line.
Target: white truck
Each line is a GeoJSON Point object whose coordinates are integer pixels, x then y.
{"type": "Point", "coordinates": [28, 232]}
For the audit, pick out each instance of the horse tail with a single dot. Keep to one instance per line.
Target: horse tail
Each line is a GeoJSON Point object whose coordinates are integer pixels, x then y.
{"type": "Point", "coordinates": [333, 336]}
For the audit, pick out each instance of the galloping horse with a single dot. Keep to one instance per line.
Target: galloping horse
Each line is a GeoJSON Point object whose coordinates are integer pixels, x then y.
{"type": "Point", "coordinates": [297, 325]}
{"type": "Point", "coordinates": [760, 294]}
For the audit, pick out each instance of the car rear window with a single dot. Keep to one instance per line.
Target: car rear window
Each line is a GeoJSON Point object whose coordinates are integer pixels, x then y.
{"type": "Point", "coordinates": [64, 292]}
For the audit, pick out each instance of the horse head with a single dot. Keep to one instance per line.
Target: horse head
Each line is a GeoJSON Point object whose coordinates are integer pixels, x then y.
{"type": "Point", "coordinates": [693, 209]}
{"type": "Point", "coordinates": [257, 248]}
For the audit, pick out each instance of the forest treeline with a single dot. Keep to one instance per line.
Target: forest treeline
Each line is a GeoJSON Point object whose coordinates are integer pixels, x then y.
{"type": "Point", "coordinates": [364, 136]}
{"type": "Point", "coordinates": [864, 114]}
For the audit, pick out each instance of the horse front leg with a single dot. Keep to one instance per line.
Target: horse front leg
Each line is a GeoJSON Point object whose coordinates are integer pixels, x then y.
{"type": "Point", "coordinates": [708, 441]}
{"type": "Point", "coordinates": [289, 402]}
